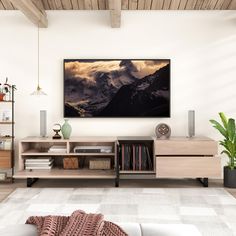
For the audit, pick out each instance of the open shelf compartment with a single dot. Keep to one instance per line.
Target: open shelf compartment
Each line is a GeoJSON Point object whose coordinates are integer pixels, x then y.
{"type": "Point", "coordinates": [135, 149]}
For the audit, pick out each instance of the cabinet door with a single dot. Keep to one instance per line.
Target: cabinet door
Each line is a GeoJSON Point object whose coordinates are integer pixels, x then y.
{"type": "Point", "coordinates": [5, 159]}
{"type": "Point", "coordinates": [185, 147]}
{"type": "Point", "coordinates": [188, 167]}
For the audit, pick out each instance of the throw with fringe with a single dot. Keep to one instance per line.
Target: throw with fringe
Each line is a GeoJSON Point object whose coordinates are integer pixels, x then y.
{"type": "Point", "coordinates": [78, 224]}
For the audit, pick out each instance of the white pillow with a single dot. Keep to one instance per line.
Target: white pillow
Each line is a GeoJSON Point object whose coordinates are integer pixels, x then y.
{"type": "Point", "coordinates": [19, 230]}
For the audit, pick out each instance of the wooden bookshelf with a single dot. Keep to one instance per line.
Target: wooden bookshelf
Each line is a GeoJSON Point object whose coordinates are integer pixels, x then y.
{"type": "Point", "coordinates": [10, 101]}
{"type": "Point", "coordinates": [7, 154]}
{"type": "Point", "coordinates": [6, 137]}
{"type": "Point", "coordinates": [7, 122]}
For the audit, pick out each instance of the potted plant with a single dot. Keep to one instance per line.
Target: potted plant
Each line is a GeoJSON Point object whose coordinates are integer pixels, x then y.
{"type": "Point", "coordinates": [227, 129]}
{"type": "Point", "coordinates": [2, 94]}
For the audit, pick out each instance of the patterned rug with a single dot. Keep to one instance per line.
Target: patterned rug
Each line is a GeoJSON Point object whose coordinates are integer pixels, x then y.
{"type": "Point", "coordinates": [211, 210]}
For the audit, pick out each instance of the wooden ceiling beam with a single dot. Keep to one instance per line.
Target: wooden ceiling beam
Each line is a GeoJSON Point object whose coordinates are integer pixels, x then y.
{"type": "Point", "coordinates": [115, 13]}
{"type": "Point", "coordinates": [125, 4]}
{"type": "Point", "coordinates": [1, 6]}
{"type": "Point", "coordinates": [81, 4]}
{"type": "Point", "coordinates": [102, 4]}
{"type": "Point", "coordinates": [148, 4]}
{"type": "Point", "coordinates": [45, 4]}
{"type": "Point", "coordinates": [133, 4]}
{"type": "Point", "coordinates": [67, 5]}
{"type": "Point", "coordinates": [141, 5]}
{"type": "Point", "coordinates": [32, 12]}
{"type": "Point", "coordinates": [7, 5]}
{"type": "Point", "coordinates": [232, 5]}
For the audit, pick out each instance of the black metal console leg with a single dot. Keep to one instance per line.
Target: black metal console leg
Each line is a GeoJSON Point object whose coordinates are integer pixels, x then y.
{"type": "Point", "coordinates": [31, 181]}
{"type": "Point", "coordinates": [203, 181]}
{"type": "Point", "coordinates": [117, 182]}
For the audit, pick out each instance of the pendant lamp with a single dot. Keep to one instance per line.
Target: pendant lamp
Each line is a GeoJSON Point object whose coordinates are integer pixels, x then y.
{"type": "Point", "coordinates": [38, 91]}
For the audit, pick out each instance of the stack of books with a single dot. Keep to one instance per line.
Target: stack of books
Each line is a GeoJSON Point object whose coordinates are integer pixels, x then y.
{"type": "Point", "coordinates": [39, 163]}
{"type": "Point", "coordinates": [57, 149]}
{"type": "Point", "coordinates": [135, 157]}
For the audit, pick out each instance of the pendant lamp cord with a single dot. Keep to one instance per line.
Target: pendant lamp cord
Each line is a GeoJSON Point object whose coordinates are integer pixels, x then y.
{"type": "Point", "coordinates": [38, 57]}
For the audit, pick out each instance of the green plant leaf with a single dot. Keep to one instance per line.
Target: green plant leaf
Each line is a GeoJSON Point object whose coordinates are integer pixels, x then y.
{"type": "Point", "coordinates": [231, 129]}
{"type": "Point", "coordinates": [226, 152]}
{"type": "Point", "coordinates": [224, 119]}
{"type": "Point", "coordinates": [220, 128]}
{"type": "Point", "coordinates": [230, 147]}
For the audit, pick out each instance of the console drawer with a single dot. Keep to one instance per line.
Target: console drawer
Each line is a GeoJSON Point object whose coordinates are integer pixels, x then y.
{"type": "Point", "coordinates": [187, 167]}
{"type": "Point", "coordinates": [5, 159]}
{"type": "Point", "coordinates": [186, 147]}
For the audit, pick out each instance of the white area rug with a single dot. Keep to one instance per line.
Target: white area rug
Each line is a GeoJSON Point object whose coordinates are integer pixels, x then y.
{"type": "Point", "coordinates": [211, 210]}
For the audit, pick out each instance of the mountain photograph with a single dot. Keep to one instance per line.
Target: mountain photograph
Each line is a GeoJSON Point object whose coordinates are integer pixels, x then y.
{"type": "Point", "coordinates": [117, 88]}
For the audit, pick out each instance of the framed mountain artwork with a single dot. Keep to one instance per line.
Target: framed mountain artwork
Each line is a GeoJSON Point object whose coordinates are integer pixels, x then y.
{"type": "Point", "coordinates": [116, 88]}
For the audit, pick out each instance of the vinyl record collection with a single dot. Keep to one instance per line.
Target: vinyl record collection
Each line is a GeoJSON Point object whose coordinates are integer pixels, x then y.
{"type": "Point", "coordinates": [135, 157]}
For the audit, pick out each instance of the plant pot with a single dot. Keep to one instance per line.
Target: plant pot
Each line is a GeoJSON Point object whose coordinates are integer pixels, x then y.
{"type": "Point", "coordinates": [229, 177]}
{"type": "Point", "coordinates": [2, 96]}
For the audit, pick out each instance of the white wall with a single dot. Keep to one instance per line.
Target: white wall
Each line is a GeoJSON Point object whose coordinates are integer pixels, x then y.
{"type": "Point", "coordinates": [201, 46]}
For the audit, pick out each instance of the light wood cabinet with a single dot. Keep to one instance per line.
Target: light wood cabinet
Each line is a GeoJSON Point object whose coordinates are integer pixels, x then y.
{"type": "Point", "coordinates": [5, 159]}
{"type": "Point", "coordinates": [7, 138]}
{"type": "Point", "coordinates": [180, 157]}
{"type": "Point", "coordinates": [177, 157]}
{"type": "Point", "coordinates": [186, 146]}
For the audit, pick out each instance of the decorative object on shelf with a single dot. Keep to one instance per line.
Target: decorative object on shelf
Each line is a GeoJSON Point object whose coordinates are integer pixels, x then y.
{"type": "Point", "coordinates": [163, 131]}
{"type": "Point", "coordinates": [6, 145]}
{"type": "Point", "coordinates": [57, 149]}
{"type": "Point", "coordinates": [100, 164]}
{"type": "Point", "coordinates": [6, 115]}
{"type": "Point", "coordinates": [2, 96]}
{"type": "Point", "coordinates": [70, 163]}
{"type": "Point", "coordinates": [56, 128]}
{"type": "Point", "coordinates": [66, 129]}
{"type": "Point", "coordinates": [38, 91]}
{"type": "Point", "coordinates": [227, 129]}
{"type": "Point", "coordinates": [1, 144]}
{"type": "Point", "coordinates": [43, 123]}
{"type": "Point", "coordinates": [3, 176]}
{"type": "Point", "coordinates": [6, 91]}
{"type": "Point", "coordinates": [191, 123]}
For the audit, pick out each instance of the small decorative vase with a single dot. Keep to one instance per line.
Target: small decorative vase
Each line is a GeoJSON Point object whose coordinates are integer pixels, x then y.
{"type": "Point", "coordinates": [66, 129]}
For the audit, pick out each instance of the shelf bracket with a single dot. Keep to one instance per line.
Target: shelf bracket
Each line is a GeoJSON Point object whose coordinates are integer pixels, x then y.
{"type": "Point", "coordinates": [203, 181]}
{"type": "Point", "coordinates": [31, 181]}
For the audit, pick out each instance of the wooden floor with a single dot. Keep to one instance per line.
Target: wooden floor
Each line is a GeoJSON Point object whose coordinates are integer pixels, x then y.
{"type": "Point", "coordinates": [6, 189]}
